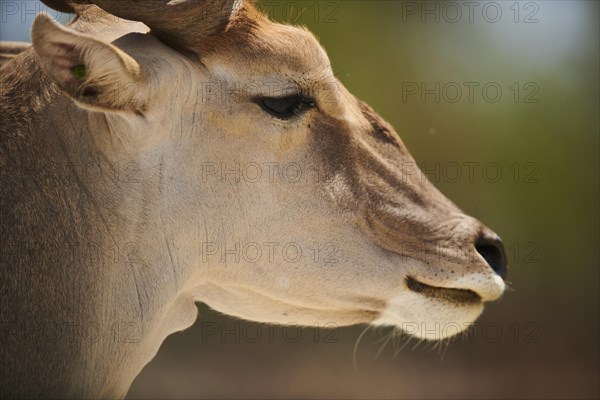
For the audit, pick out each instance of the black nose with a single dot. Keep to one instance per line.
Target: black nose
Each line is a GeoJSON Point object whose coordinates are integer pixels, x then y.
{"type": "Point", "coordinates": [492, 250]}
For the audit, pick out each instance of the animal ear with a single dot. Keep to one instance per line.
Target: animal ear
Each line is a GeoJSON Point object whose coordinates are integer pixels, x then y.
{"type": "Point", "coordinates": [97, 75]}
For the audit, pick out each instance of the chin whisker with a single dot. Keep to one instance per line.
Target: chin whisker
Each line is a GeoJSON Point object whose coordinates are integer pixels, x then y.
{"type": "Point", "coordinates": [387, 339]}
{"type": "Point", "coordinates": [406, 343]}
{"type": "Point", "coordinates": [355, 350]}
{"type": "Point", "coordinates": [417, 344]}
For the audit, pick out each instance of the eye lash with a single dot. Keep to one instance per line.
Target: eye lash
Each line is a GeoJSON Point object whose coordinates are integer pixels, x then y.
{"type": "Point", "coordinates": [285, 107]}
{"type": "Point", "coordinates": [303, 105]}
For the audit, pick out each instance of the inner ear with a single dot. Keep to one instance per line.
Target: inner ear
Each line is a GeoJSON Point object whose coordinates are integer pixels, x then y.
{"type": "Point", "coordinates": [67, 67]}
{"type": "Point", "coordinates": [95, 74]}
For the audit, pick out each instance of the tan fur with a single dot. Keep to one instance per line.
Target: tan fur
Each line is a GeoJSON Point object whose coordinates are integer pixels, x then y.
{"type": "Point", "coordinates": [135, 250]}
{"type": "Point", "coordinates": [9, 50]}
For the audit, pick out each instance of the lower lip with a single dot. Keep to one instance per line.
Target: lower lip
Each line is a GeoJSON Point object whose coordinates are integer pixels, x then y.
{"type": "Point", "coordinates": [455, 296]}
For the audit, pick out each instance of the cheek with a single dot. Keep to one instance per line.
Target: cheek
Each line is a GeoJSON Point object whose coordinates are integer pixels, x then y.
{"type": "Point", "coordinates": [291, 140]}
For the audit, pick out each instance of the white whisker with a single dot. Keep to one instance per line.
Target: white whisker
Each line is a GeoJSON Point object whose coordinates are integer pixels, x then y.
{"type": "Point", "coordinates": [354, 363]}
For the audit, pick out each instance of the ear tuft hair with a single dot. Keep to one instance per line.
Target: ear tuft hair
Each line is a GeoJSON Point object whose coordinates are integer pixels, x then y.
{"type": "Point", "coordinates": [95, 74]}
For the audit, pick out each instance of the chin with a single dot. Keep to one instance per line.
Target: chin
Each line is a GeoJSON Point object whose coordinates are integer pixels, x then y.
{"type": "Point", "coordinates": [429, 318]}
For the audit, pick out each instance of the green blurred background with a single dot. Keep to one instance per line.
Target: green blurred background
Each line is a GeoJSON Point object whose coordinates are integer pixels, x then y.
{"type": "Point", "coordinates": [541, 134]}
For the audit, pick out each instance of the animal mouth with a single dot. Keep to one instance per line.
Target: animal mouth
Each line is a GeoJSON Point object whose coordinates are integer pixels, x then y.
{"type": "Point", "coordinates": [460, 296]}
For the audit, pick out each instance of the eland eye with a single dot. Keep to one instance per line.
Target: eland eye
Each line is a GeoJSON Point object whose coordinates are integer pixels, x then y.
{"type": "Point", "coordinates": [285, 107]}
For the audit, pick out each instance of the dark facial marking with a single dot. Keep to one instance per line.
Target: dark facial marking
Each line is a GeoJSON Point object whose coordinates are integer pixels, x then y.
{"type": "Point", "coordinates": [381, 129]}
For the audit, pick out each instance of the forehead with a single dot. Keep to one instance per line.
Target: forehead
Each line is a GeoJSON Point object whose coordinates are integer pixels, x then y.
{"type": "Point", "coordinates": [256, 48]}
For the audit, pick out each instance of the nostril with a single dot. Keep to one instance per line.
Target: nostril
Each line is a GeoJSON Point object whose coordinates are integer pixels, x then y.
{"type": "Point", "coordinates": [492, 250]}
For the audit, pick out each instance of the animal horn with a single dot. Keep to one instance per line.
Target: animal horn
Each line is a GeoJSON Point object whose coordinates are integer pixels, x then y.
{"type": "Point", "coordinates": [180, 23]}
{"type": "Point", "coordinates": [60, 5]}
